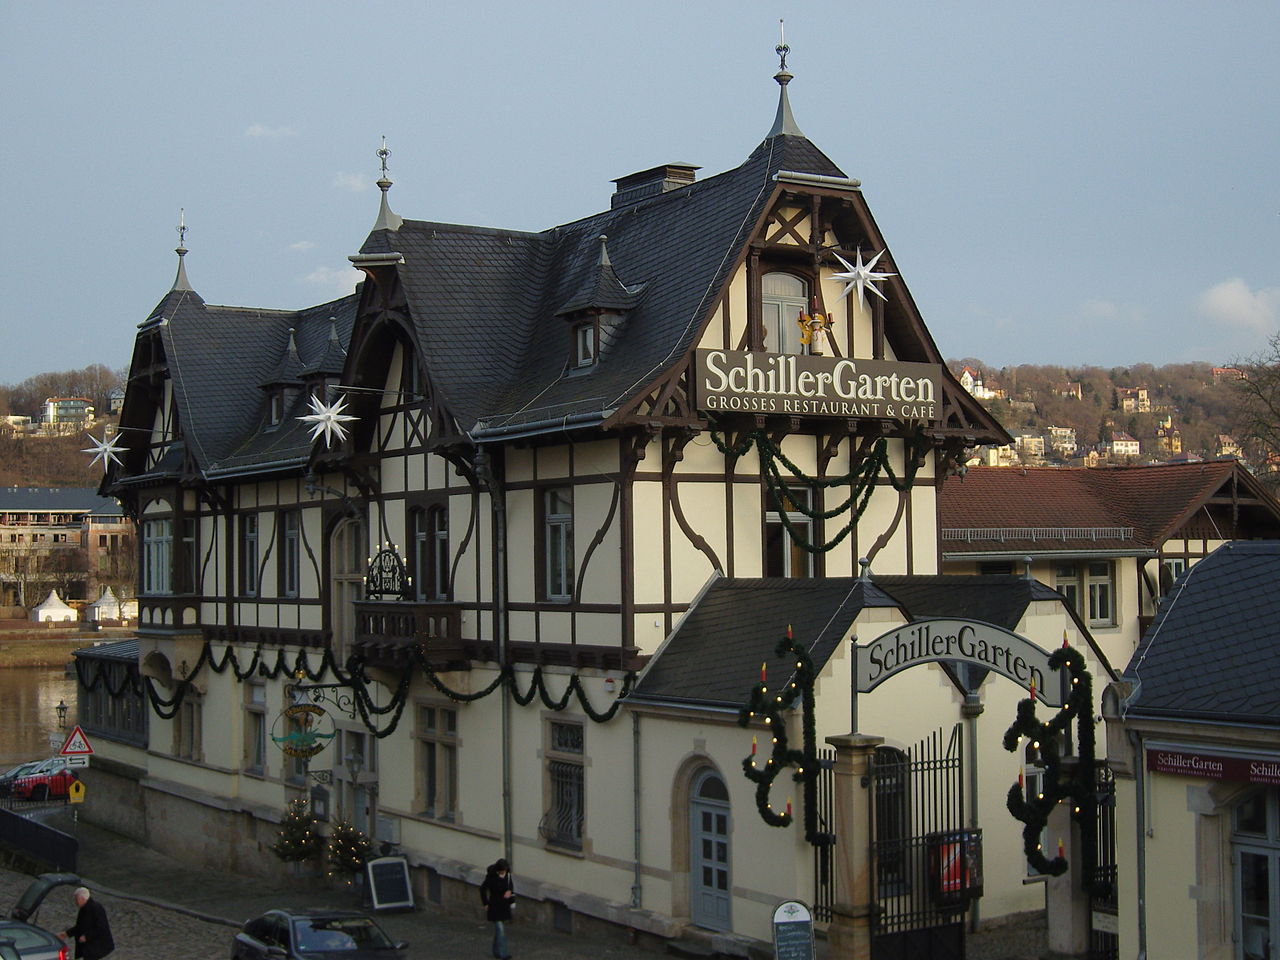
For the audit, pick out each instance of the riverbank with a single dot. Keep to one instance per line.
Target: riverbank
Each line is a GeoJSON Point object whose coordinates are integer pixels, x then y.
{"type": "Point", "coordinates": [26, 644]}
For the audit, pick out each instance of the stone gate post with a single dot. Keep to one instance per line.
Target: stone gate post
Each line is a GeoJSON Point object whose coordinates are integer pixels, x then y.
{"type": "Point", "coordinates": [849, 937]}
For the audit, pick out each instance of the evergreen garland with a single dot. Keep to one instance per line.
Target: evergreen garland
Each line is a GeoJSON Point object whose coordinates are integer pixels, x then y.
{"type": "Point", "coordinates": [346, 851]}
{"type": "Point", "coordinates": [770, 708]}
{"type": "Point", "coordinates": [299, 836]}
{"type": "Point", "coordinates": [1061, 781]}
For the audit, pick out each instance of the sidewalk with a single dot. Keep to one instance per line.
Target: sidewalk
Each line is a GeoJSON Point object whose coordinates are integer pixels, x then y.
{"type": "Point", "coordinates": [160, 907]}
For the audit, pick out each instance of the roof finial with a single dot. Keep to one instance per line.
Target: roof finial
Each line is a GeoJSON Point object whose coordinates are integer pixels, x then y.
{"type": "Point", "coordinates": [387, 220]}
{"type": "Point", "coordinates": [604, 251]}
{"type": "Point", "coordinates": [783, 122]}
{"type": "Point", "coordinates": [180, 282]}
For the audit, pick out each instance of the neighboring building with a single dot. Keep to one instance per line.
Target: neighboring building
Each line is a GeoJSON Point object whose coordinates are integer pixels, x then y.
{"type": "Point", "coordinates": [1030, 446]}
{"type": "Point", "coordinates": [1228, 446]}
{"type": "Point", "coordinates": [972, 381]}
{"type": "Point", "coordinates": [1062, 440]}
{"type": "Point", "coordinates": [73, 410]}
{"type": "Point", "coordinates": [1111, 539]}
{"type": "Point", "coordinates": [562, 478]}
{"type": "Point", "coordinates": [1121, 444]}
{"type": "Point", "coordinates": [1070, 390]}
{"type": "Point", "coordinates": [1133, 399]}
{"type": "Point", "coordinates": [1168, 440]}
{"type": "Point", "coordinates": [1227, 374]}
{"type": "Point", "coordinates": [68, 538]}
{"type": "Point", "coordinates": [1194, 742]}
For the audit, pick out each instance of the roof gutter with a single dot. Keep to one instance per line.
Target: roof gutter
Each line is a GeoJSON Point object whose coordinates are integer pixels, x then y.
{"type": "Point", "coordinates": [547, 425]}
{"type": "Point", "coordinates": [1045, 554]}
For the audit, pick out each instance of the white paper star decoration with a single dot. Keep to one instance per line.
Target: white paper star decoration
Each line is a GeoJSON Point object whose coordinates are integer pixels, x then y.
{"type": "Point", "coordinates": [863, 276]}
{"type": "Point", "coordinates": [328, 419]}
{"type": "Point", "coordinates": [107, 450]}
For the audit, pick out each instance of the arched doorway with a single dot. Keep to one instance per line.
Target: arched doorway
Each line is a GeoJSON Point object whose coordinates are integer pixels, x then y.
{"type": "Point", "coordinates": [709, 880]}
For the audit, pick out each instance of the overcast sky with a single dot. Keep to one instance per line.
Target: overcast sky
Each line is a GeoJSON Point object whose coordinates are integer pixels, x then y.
{"type": "Point", "coordinates": [1059, 183]}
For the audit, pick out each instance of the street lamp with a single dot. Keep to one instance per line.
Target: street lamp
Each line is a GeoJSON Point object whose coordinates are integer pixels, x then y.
{"type": "Point", "coordinates": [61, 709]}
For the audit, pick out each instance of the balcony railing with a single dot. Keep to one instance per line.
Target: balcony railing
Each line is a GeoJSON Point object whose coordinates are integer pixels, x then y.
{"type": "Point", "coordinates": [1001, 534]}
{"type": "Point", "coordinates": [389, 631]}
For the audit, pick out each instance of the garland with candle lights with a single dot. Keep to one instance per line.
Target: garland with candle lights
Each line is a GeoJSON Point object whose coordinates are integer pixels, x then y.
{"type": "Point", "coordinates": [770, 707]}
{"type": "Point", "coordinates": [1061, 781]}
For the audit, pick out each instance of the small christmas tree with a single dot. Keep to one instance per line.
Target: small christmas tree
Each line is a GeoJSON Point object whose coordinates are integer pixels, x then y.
{"type": "Point", "coordinates": [346, 851]}
{"type": "Point", "coordinates": [299, 837]}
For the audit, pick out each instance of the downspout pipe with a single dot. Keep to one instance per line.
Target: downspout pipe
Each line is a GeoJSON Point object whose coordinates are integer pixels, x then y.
{"type": "Point", "coordinates": [498, 505]}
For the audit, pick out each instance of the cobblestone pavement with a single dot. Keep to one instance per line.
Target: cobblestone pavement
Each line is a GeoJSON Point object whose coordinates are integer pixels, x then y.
{"type": "Point", "coordinates": [161, 908]}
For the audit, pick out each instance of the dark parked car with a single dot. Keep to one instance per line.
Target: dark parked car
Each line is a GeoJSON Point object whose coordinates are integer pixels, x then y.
{"type": "Point", "coordinates": [313, 935]}
{"type": "Point", "coordinates": [29, 942]}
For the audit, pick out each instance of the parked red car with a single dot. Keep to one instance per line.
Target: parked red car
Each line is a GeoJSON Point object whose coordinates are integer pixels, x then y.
{"type": "Point", "coordinates": [50, 778]}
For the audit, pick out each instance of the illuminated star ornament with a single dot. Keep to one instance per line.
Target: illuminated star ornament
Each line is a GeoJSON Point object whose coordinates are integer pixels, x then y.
{"type": "Point", "coordinates": [863, 276]}
{"type": "Point", "coordinates": [328, 419]}
{"type": "Point", "coordinates": [107, 450]}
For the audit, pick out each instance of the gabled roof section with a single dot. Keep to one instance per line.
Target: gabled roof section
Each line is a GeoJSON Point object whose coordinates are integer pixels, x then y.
{"type": "Point", "coordinates": [601, 290]}
{"type": "Point", "coordinates": [712, 658]}
{"type": "Point", "coordinates": [1128, 510]}
{"type": "Point", "coordinates": [1211, 651]}
{"type": "Point", "coordinates": [218, 356]}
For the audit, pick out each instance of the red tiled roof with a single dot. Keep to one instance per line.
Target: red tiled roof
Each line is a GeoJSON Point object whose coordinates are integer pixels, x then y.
{"type": "Point", "coordinates": [1152, 500]}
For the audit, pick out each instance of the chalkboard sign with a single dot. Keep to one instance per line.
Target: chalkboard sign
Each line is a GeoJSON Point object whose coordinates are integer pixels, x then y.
{"type": "Point", "coordinates": [389, 883]}
{"type": "Point", "coordinates": [792, 931]}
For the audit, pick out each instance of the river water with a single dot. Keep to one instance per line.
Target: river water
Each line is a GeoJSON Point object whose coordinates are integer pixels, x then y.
{"type": "Point", "coordinates": [28, 712]}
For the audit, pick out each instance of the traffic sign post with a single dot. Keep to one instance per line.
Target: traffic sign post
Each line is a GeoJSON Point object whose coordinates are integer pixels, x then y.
{"type": "Point", "coordinates": [76, 745]}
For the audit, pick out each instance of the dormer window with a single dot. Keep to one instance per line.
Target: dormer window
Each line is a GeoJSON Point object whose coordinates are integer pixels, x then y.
{"type": "Point", "coordinates": [586, 343]}
{"type": "Point", "coordinates": [275, 408]}
{"type": "Point", "coordinates": [783, 297]}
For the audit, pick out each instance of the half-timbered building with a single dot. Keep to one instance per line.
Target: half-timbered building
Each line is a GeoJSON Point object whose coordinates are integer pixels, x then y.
{"type": "Point", "coordinates": [525, 515]}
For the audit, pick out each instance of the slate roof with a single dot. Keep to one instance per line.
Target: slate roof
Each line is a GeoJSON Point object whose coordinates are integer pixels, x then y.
{"type": "Point", "coordinates": [1211, 653]}
{"type": "Point", "coordinates": [713, 657]}
{"type": "Point", "coordinates": [58, 500]}
{"type": "Point", "coordinates": [218, 358]}
{"type": "Point", "coordinates": [1130, 510]}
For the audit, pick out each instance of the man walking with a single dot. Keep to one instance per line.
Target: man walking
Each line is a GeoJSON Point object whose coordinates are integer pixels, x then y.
{"type": "Point", "coordinates": [91, 933]}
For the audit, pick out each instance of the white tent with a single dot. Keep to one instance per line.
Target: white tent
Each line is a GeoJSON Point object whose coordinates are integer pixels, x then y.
{"type": "Point", "coordinates": [53, 610]}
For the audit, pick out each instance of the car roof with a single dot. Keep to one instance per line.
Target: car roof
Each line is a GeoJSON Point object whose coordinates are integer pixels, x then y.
{"type": "Point", "coordinates": [313, 913]}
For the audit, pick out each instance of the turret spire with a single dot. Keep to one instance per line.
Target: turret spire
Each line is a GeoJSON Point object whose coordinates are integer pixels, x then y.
{"type": "Point", "coordinates": [180, 282]}
{"type": "Point", "coordinates": [387, 218]}
{"type": "Point", "coordinates": [783, 122]}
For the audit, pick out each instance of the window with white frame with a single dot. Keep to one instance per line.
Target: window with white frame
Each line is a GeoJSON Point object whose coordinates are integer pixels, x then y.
{"type": "Point", "coordinates": [584, 344]}
{"type": "Point", "coordinates": [1089, 586]}
{"type": "Point", "coordinates": [255, 727]}
{"type": "Point", "coordinates": [438, 522]}
{"type": "Point", "coordinates": [249, 555]}
{"type": "Point", "coordinates": [783, 554]}
{"type": "Point", "coordinates": [437, 734]}
{"type": "Point", "coordinates": [562, 824]}
{"type": "Point", "coordinates": [157, 556]}
{"type": "Point", "coordinates": [190, 555]}
{"type": "Point", "coordinates": [558, 542]}
{"type": "Point", "coordinates": [783, 297]}
{"type": "Point", "coordinates": [290, 552]}
{"type": "Point", "coordinates": [1255, 856]}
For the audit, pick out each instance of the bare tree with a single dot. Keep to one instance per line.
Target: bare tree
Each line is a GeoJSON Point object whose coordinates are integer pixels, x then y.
{"type": "Point", "coordinates": [1258, 415]}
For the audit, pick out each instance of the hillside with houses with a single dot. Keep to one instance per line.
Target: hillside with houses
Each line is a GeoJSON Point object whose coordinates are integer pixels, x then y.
{"type": "Point", "coordinates": [1094, 415]}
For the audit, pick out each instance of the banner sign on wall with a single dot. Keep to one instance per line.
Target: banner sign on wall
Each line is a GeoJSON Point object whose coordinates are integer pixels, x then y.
{"type": "Point", "coordinates": [1213, 766]}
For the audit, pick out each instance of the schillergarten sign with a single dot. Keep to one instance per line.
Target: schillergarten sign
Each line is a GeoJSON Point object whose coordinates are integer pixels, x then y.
{"type": "Point", "coordinates": [797, 385]}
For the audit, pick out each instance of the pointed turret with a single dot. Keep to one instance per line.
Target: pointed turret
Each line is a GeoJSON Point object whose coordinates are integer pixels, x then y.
{"type": "Point", "coordinates": [601, 290]}
{"type": "Point", "coordinates": [180, 282]}
{"type": "Point", "coordinates": [334, 358]}
{"type": "Point", "coordinates": [783, 122]}
{"type": "Point", "coordinates": [289, 370]}
{"type": "Point", "coordinates": [378, 249]}
{"type": "Point", "coordinates": [181, 292]}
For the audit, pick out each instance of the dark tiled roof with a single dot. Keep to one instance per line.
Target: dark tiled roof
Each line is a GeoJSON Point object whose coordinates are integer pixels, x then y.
{"type": "Point", "coordinates": [1150, 502]}
{"type": "Point", "coordinates": [1211, 652]}
{"type": "Point", "coordinates": [714, 656]}
{"type": "Point", "coordinates": [218, 357]}
{"type": "Point", "coordinates": [126, 650]}
{"type": "Point", "coordinates": [59, 499]}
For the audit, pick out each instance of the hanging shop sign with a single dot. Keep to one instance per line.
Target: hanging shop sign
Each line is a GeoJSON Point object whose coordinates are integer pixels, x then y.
{"type": "Point", "coordinates": [735, 381]}
{"type": "Point", "coordinates": [1215, 766]}
{"type": "Point", "coordinates": [303, 730]}
{"type": "Point", "coordinates": [961, 641]}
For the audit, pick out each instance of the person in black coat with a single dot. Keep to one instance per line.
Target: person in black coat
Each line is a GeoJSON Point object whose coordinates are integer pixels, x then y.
{"type": "Point", "coordinates": [497, 893]}
{"type": "Point", "coordinates": [91, 933]}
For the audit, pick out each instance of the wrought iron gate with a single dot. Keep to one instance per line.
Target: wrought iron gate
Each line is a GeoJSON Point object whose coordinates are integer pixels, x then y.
{"type": "Point", "coordinates": [921, 850]}
{"type": "Point", "coordinates": [823, 866]}
{"type": "Point", "coordinates": [1104, 938]}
